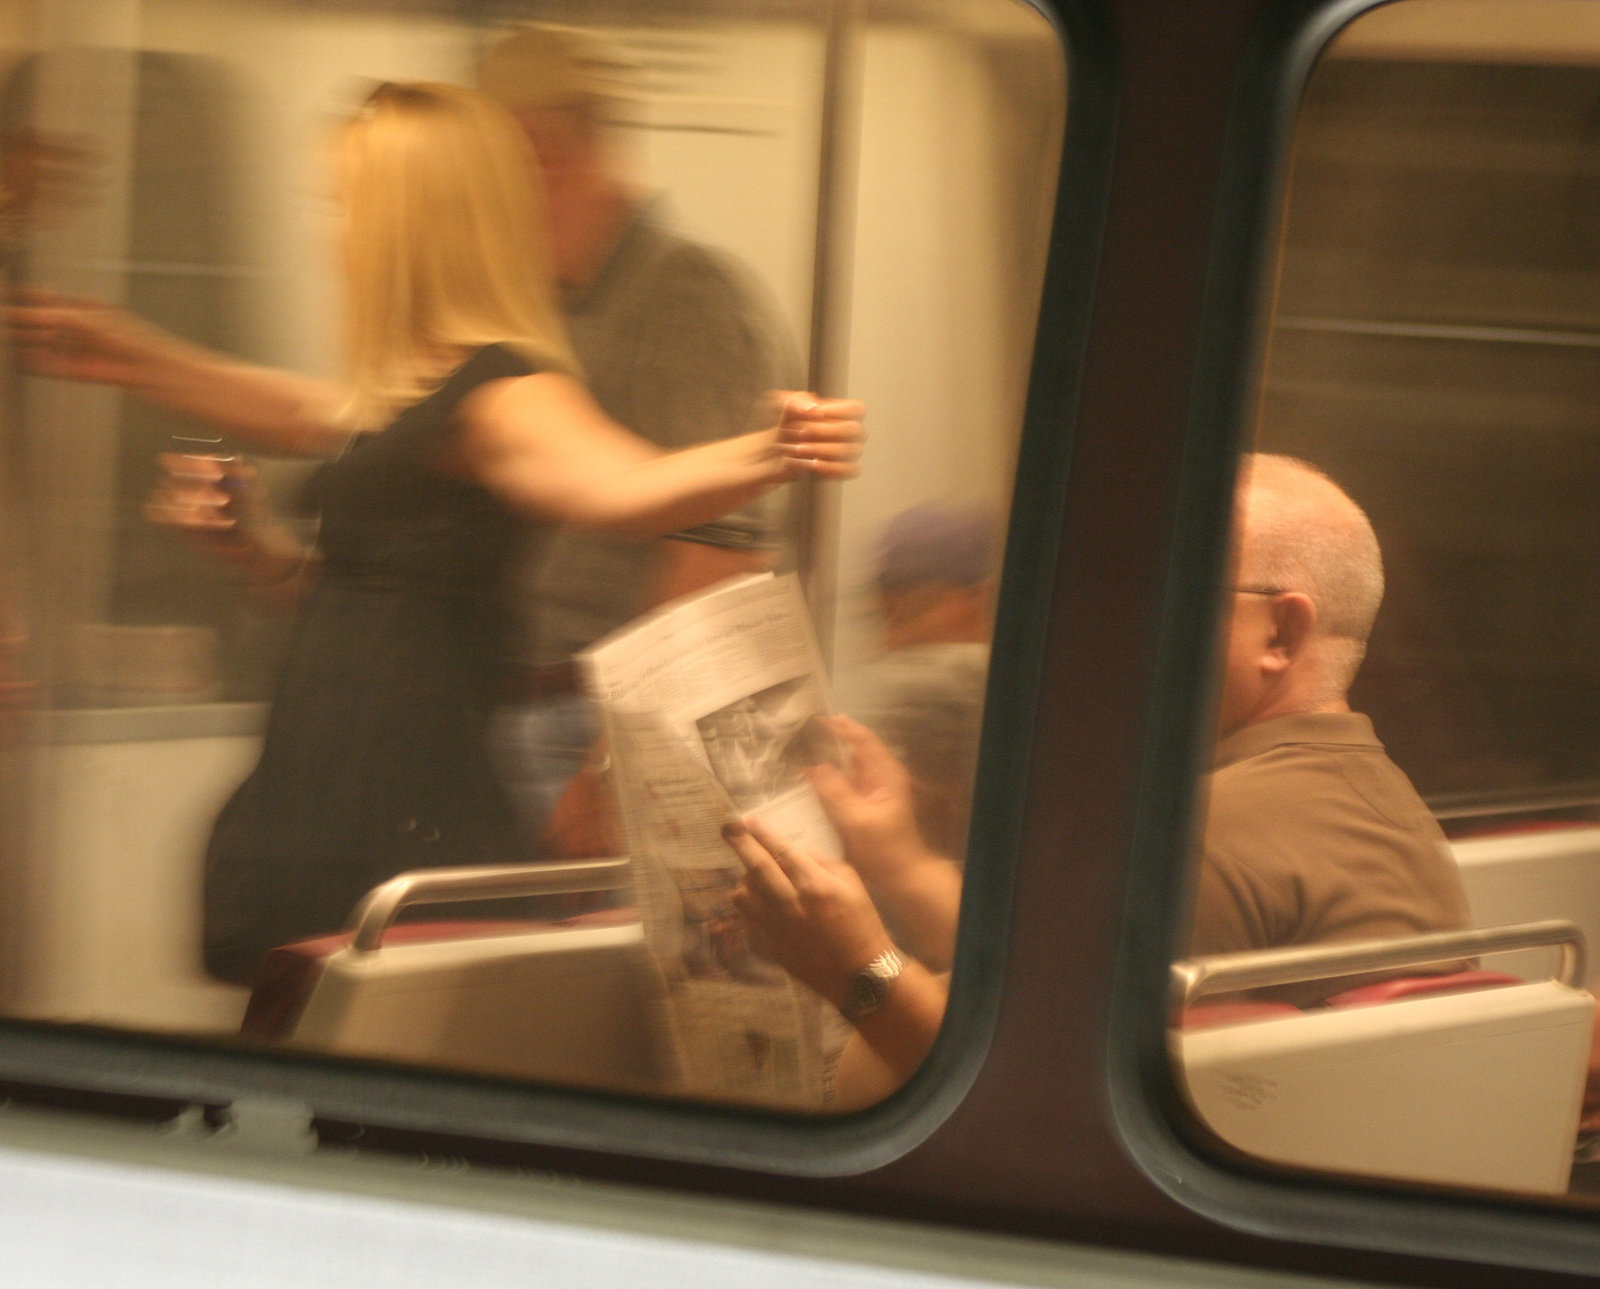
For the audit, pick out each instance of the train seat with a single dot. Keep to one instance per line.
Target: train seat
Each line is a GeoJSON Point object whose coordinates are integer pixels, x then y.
{"type": "Point", "coordinates": [1523, 874]}
{"type": "Point", "coordinates": [1478, 1085]}
{"type": "Point", "coordinates": [290, 974]}
{"type": "Point", "coordinates": [561, 1002]}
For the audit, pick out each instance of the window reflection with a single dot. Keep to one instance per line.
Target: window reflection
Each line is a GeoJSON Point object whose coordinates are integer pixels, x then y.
{"type": "Point", "coordinates": [1399, 1004]}
{"type": "Point", "coordinates": [180, 573]}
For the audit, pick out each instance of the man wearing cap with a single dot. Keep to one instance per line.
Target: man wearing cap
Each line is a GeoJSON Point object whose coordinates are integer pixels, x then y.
{"type": "Point", "coordinates": [923, 693]}
{"type": "Point", "coordinates": [675, 344]}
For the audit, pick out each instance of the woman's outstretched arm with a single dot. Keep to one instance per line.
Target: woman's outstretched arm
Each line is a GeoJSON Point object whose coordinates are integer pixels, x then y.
{"type": "Point", "coordinates": [544, 445]}
{"type": "Point", "coordinates": [73, 339]}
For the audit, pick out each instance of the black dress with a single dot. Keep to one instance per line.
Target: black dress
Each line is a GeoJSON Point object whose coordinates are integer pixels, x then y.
{"type": "Point", "coordinates": [375, 758]}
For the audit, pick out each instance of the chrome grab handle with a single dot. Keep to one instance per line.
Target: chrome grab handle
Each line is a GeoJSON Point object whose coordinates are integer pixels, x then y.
{"type": "Point", "coordinates": [1230, 972]}
{"type": "Point", "coordinates": [382, 904]}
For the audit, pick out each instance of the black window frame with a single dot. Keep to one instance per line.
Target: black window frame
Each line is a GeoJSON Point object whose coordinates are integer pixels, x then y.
{"type": "Point", "coordinates": [1178, 1153]}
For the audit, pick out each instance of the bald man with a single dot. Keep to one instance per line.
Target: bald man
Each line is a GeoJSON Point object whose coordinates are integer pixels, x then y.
{"type": "Point", "coordinates": [1312, 834]}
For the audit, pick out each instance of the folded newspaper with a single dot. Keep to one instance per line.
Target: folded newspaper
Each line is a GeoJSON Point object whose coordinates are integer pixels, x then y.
{"type": "Point", "coordinates": [711, 709]}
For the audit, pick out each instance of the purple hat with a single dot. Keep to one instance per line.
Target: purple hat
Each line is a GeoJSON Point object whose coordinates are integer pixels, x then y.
{"type": "Point", "coordinates": [936, 542]}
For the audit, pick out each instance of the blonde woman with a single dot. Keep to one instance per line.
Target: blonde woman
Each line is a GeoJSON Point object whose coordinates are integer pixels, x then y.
{"type": "Point", "coordinates": [463, 421]}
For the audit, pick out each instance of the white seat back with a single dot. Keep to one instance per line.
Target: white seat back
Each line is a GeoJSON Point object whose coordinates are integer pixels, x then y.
{"type": "Point", "coordinates": [552, 1003]}
{"type": "Point", "coordinates": [556, 1004]}
{"type": "Point", "coordinates": [1527, 876]}
{"type": "Point", "coordinates": [1471, 1089]}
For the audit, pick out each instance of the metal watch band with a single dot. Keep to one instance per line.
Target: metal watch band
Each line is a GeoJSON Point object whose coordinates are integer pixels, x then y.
{"type": "Point", "coordinates": [868, 989]}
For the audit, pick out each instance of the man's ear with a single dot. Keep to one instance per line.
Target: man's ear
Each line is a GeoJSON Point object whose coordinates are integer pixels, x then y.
{"type": "Point", "coordinates": [1294, 622]}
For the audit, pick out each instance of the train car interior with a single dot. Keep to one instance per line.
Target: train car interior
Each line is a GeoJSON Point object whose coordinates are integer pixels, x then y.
{"type": "Point", "coordinates": [196, 198]}
{"type": "Point", "coordinates": [158, 667]}
{"type": "Point", "coordinates": [1214, 615]}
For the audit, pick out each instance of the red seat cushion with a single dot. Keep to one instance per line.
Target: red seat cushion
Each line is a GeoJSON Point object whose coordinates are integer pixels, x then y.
{"type": "Point", "coordinates": [1205, 1016]}
{"type": "Point", "coordinates": [1450, 982]}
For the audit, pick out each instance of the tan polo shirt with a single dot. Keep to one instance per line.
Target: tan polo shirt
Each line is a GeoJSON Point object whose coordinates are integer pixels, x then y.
{"type": "Point", "coordinates": [1313, 835]}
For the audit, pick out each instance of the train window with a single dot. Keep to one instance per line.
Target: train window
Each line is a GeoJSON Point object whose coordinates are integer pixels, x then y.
{"type": "Point", "coordinates": [311, 528]}
{"type": "Point", "coordinates": [1394, 873]}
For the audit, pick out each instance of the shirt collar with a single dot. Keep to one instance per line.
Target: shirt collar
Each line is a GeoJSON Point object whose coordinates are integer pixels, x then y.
{"type": "Point", "coordinates": [1350, 729]}
{"type": "Point", "coordinates": [636, 239]}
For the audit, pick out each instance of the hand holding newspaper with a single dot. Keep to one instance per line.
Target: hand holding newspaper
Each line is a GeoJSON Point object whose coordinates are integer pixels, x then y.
{"type": "Point", "coordinates": [712, 710]}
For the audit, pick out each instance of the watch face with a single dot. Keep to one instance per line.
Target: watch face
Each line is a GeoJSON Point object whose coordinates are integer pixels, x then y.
{"type": "Point", "coordinates": [867, 993]}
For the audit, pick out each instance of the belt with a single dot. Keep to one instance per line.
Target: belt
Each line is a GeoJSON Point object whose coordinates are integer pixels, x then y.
{"type": "Point", "coordinates": [539, 684]}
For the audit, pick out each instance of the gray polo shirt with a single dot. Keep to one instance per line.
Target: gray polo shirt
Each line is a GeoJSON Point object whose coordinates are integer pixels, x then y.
{"type": "Point", "coordinates": [676, 344]}
{"type": "Point", "coordinates": [926, 702]}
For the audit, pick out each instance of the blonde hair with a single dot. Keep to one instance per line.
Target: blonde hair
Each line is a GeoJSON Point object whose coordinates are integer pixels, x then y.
{"type": "Point", "coordinates": [446, 245]}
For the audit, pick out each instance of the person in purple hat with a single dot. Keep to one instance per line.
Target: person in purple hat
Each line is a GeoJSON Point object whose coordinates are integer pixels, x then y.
{"type": "Point", "coordinates": [923, 692]}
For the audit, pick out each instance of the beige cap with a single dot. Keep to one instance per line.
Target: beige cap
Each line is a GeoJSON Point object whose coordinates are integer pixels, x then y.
{"type": "Point", "coordinates": [547, 66]}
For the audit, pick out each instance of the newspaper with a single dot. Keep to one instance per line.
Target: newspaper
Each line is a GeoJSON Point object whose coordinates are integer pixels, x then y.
{"type": "Point", "coordinates": [711, 710]}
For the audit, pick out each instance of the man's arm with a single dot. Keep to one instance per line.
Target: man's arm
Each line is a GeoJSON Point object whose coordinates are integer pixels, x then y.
{"type": "Point", "coordinates": [865, 1075]}
{"type": "Point", "coordinates": [814, 918]}
{"type": "Point", "coordinates": [1228, 915]}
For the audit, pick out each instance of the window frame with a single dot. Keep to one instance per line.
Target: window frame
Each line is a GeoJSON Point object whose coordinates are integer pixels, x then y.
{"type": "Point", "coordinates": [1166, 1141]}
{"type": "Point", "coordinates": [134, 1067]}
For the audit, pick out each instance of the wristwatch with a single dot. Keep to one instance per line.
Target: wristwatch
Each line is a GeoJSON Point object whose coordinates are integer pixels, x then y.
{"type": "Point", "coordinates": [868, 989]}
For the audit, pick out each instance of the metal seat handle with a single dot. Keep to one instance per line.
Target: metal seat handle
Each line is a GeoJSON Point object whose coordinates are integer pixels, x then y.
{"type": "Point", "coordinates": [383, 903]}
{"type": "Point", "coordinates": [1234, 972]}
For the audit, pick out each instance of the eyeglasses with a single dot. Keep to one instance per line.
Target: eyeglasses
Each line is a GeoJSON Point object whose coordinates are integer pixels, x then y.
{"type": "Point", "coordinates": [1258, 590]}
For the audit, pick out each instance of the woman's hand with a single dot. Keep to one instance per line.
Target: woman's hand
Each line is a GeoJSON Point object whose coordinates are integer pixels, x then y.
{"type": "Point", "coordinates": [811, 916]}
{"type": "Point", "coordinates": [820, 436]}
{"type": "Point", "coordinates": [73, 339]}
{"type": "Point", "coordinates": [216, 505]}
{"type": "Point", "coordinates": [205, 500]}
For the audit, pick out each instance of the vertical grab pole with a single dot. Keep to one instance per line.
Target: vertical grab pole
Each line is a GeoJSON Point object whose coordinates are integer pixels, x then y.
{"type": "Point", "coordinates": [815, 517]}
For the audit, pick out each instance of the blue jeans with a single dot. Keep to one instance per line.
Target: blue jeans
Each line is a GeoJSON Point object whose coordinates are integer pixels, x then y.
{"type": "Point", "coordinates": [538, 748]}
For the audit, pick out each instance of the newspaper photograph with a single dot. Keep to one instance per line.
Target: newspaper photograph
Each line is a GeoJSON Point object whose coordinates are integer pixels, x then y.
{"type": "Point", "coordinates": [735, 675]}
{"type": "Point", "coordinates": [712, 710]}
